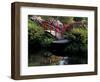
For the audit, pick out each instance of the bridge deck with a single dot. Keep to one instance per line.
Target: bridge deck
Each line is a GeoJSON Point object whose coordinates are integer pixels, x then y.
{"type": "Point", "coordinates": [61, 41]}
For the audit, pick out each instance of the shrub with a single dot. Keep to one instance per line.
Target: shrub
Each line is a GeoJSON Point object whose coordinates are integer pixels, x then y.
{"type": "Point", "coordinates": [35, 32]}
{"type": "Point", "coordinates": [37, 36]}
{"type": "Point", "coordinates": [46, 39]}
{"type": "Point", "coordinates": [78, 42]}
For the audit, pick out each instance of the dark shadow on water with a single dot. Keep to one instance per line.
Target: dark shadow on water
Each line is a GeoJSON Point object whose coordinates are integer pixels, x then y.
{"type": "Point", "coordinates": [53, 55]}
{"type": "Point", "coordinates": [45, 58]}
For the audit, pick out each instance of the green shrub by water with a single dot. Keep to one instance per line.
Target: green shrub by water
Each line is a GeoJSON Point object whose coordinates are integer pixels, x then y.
{"type": "Point", "coordinates": [78, 42]}
{"type": "Point", "coordinates": [37, 35]}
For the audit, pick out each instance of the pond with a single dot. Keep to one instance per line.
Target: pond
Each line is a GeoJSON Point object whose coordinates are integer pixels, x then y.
{"type": "Point", "coordinates": [45, 58]}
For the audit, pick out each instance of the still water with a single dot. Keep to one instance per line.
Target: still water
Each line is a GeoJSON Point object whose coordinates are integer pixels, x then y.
{"type": "Point", "coordinates": [45, 58]}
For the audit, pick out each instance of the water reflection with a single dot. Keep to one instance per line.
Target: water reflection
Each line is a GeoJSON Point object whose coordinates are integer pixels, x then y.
{"type": "Point", "coordinates": [44, 58]}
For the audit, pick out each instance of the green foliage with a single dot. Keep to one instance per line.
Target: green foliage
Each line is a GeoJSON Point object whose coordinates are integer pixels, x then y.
{"type": "Point", "coordinates": [61, 18]}
{"type": "Point", "coordinates": [77, 18]}
{"type": "Point", "coordinates": [46, 17]}
{"type": "Point", "coordinates": [47, 39]}
{"type": "Point", "coordinates": [36, 34]}
{"type": "Point", "coordinates": [66, 20]}
{"type": "Point", "coordinates": [77, 34]}
{"type": "Point", "coordinates": [78, 42]}
{"type": "Point", "coordinates": [34, 31]}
